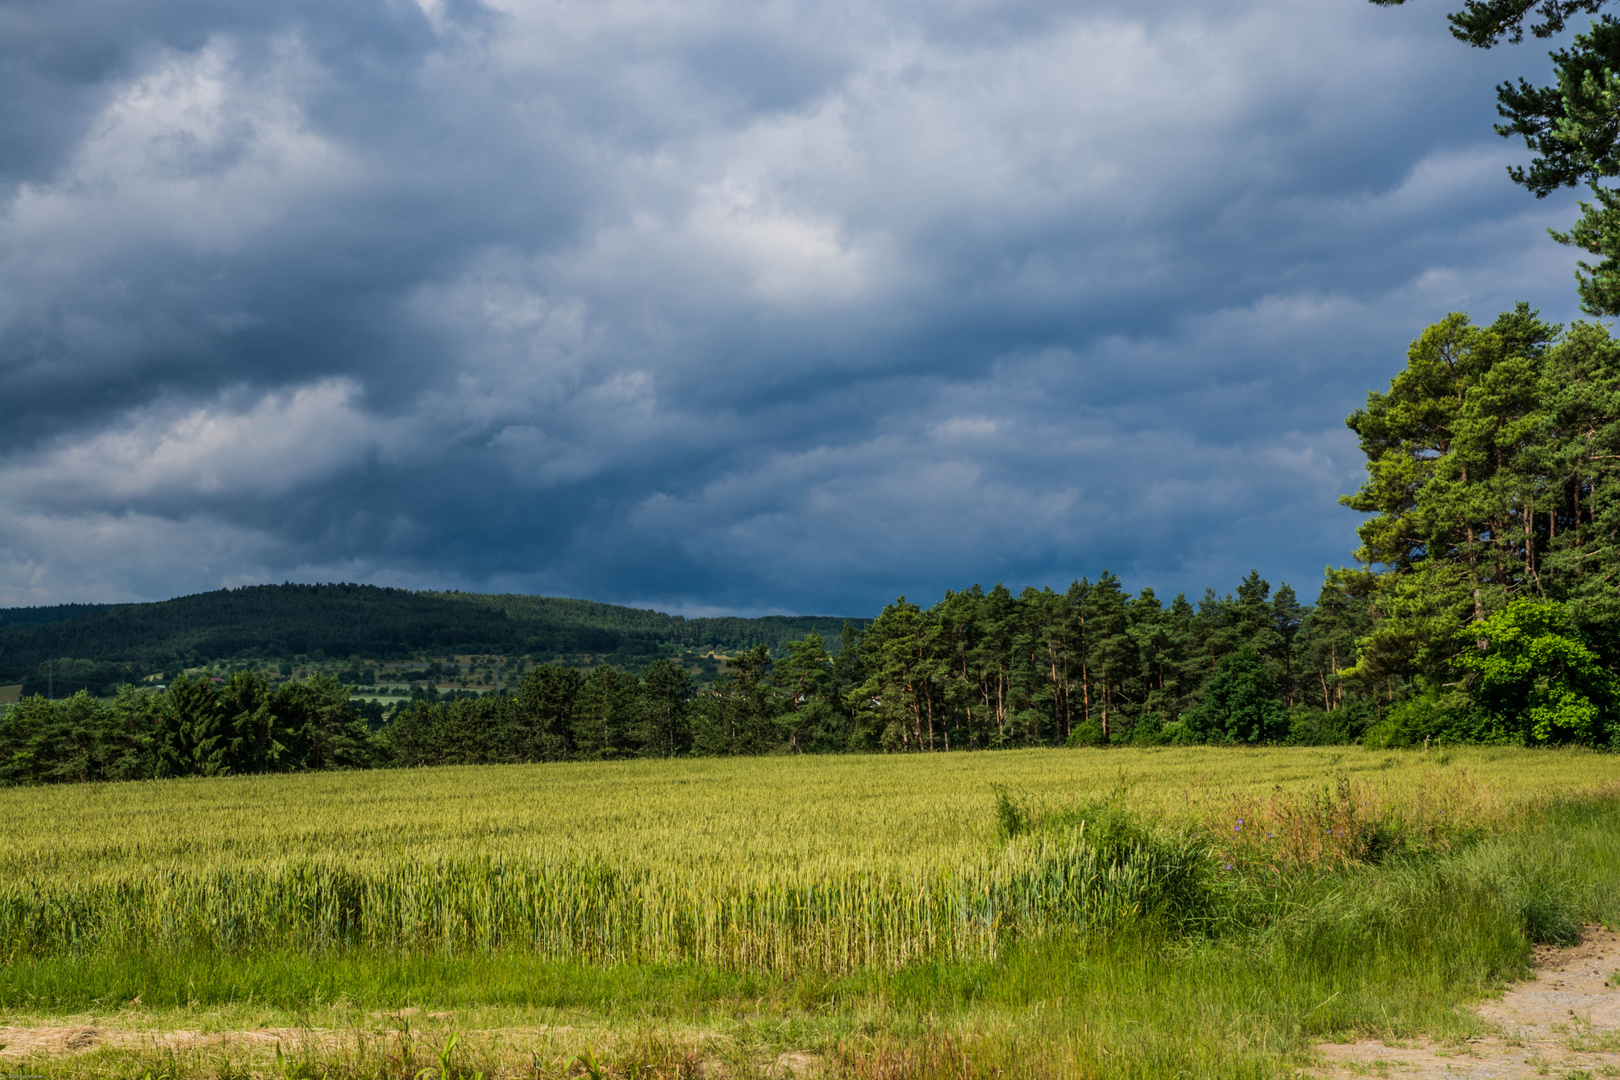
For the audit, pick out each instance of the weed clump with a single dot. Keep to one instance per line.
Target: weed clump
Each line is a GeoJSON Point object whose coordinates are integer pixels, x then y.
{"type": "Point", "coordinates": [1012, 815]}
{"type": "Point", "coordinates": [1134, 871]}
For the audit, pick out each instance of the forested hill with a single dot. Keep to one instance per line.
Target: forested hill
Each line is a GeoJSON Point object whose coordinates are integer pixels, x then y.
{"type": "Point", "coordinates": [116, 642]}
{"type": "Point", "coordinates": [19, 615]}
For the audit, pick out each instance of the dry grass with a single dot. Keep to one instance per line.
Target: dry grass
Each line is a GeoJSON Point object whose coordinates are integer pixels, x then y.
{"type": "Point", "coordinates": [1344, 821]}
{"type": "Point", "coordinates": [398, 1053]}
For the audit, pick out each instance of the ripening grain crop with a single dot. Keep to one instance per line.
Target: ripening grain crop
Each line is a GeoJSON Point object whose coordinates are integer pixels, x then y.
{"type": "Point", "coordinates": [761, 863]}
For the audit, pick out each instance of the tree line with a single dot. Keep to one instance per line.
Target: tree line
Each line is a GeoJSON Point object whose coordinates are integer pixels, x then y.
{"type": "Point", "coordinates": [981, 669]}
{"type": "Point", "coordinates": [195, 727]}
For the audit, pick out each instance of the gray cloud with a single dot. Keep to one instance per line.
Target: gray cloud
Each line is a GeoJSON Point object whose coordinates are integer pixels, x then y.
{"type": "Point", "coordinates": [719, 306]}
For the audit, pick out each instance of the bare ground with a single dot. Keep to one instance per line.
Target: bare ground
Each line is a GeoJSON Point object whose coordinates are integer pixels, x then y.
{"type": "Point", "coordinates": [551, 1047]}
{"type": "Point", "coordinates": [27, 1042]}
{"type": "Point", "coordinates": [1565, 1022]}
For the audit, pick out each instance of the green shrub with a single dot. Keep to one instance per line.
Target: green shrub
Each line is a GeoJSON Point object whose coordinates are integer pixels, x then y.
{"type": "Point", "coordinates": [1088, 733]}
{"type": "Point", "coordinates": [1150, 730]}
{"type": "Point", "coordinates": [1012, 816]}
{"type": "Point", "coordinates": [1431, 717]}
{"type": "Point", "coordinates": [1537, 679]}
{"type": "Point", "coordinates": [1240, 705]}
{"type": "Point", "coordinates": [1177, 733]}
{"type": "Point", "coordinates": [1310, 726]}
{"type": "Point", "coordinates": [1143, 871]}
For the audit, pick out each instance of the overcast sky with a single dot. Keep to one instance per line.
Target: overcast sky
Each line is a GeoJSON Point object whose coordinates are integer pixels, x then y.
{"type": "Point", "coordinates": [724, 307]}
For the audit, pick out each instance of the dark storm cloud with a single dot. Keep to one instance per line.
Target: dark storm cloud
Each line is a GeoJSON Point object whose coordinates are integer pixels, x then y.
{"type": "Point", "coordinates": [723, 306]}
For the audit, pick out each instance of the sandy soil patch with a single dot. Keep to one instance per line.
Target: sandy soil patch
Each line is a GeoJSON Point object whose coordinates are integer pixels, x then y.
{"type": "Point", "coordinates": [1564, 1022]}
{"type": "Point", "coordinates": [20, 1042]}
{"type": "Point", "coordinates": [501, 1052]}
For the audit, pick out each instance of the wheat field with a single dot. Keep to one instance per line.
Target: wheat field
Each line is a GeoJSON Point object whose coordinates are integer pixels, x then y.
{"type": "Point", "coordinates": [832, 864]}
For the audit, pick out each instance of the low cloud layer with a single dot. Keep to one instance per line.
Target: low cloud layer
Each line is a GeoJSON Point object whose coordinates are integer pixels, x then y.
{"type": "Point", "coordinates": [723, 307]}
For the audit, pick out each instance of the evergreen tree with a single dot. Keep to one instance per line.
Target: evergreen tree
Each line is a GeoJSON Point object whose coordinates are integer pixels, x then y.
{"type": "Point", "coordinates": [994, 630]}
{"type": "Point", "coordinates": [1110, 652]}
{"type": "Point", "coordinates": [1153, 635]}
{"type": "Point", "coordinates": [250, 737]}
{"type": "Point", "coordinates": [192, 716]}
{"type": "Point", "coordinates": [1454, 515]}
{"type": "Point", "coordinates": [962, 692]}
{"type": "Point", "coordinates": [665, 728]}
{"type": "Point", "coordinates": [543, 713]}
{"type": "Point", "coordinates": [815, 717]}
{"type": "Point", "coordinates": [900, 695]}
{"type": "Point", "coordinates": [1329, 630]}
{"type": "Point", "coordinates": [1287, 618]}
{"type": "Point", "coordinates": [602, 714]}
{"type": "Point", "coordinates": [324, 730]}
{"type": "Point", "coordinates": [1580, 385]}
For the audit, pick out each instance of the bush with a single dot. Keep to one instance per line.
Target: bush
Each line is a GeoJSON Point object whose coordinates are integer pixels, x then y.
{"type": "Point", "coordinates": [1432, 716]}
{"type": "Point", "coordinates": [1150, 730]}
{"type": "Point", "coordinates": [1177, 733]}
{"type": "Point", "coordinates": [1013, 818]}
{"type": "Point", "coordinates": [1538, 679]}
{"type": "Point", "coordinates": [1137, 871]}
{"type": "Point", "coordinates": [1240, 704]}
{"type": "Point", "coordinates": [1308, 726]}
{"type": "Point", "coordinates": [1088, 733]}
{"type": "Point", "coordinates": [1532, 883]}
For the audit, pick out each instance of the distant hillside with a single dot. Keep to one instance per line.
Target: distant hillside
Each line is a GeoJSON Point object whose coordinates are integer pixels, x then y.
{"type": "Point", "coordinates": [98, 645]}
{"type": "Point", "coordinates": [19, 615]}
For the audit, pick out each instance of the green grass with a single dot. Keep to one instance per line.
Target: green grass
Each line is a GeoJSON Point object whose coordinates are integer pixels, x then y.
{"type": "Point", "coordinates": [1235, 975]}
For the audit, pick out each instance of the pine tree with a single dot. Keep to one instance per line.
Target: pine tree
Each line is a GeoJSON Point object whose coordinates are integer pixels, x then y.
{"type": "Point", "coordinates": [543, 714]}
{"type": "Point", "coordinates": [664, 728]}
{"type": "Point", "coordinates": [813, 720]}
{"type": "Point", "coordinates": [602, 714]}
{"type": "Point", "coordinates": [1451, 489]}
{"type": "Point", "coordinates": [1110, 653]}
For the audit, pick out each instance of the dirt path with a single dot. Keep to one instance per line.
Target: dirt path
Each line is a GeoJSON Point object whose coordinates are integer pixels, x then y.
{"type": "Point", "coordinates": [495, 1048]}
{"type": "Point", "coordinates": [1564, 1023]}
{"type": "Point", "coordinates": [21, 1042]}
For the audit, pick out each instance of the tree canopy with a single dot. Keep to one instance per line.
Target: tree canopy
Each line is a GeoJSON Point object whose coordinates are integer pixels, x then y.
{"type": "Point", "coordinates": [1571, 127]}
